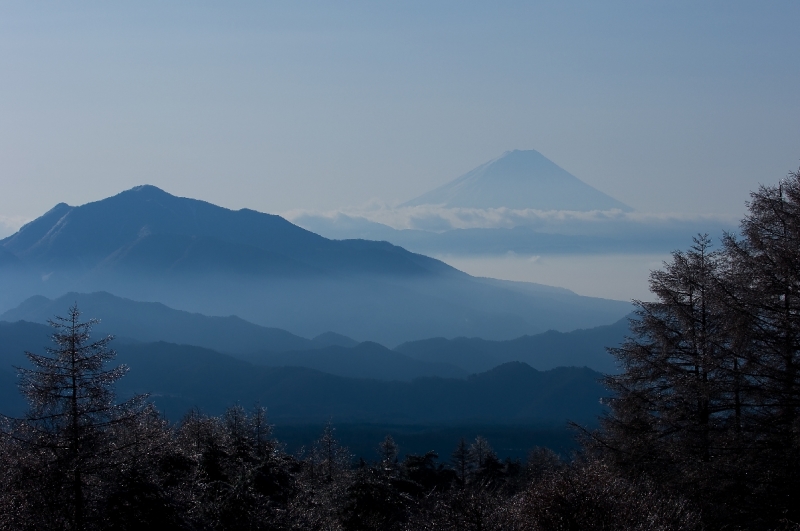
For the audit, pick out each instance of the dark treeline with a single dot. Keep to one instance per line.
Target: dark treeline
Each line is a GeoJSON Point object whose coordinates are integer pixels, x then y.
{"type": "Point", "coordinates": [702, 430]}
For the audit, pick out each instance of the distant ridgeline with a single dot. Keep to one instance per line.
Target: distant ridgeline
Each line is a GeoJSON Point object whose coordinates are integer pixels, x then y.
{"type": "Point", "coordinates": [365, 383]}
{"type": "Point", "coordinates": [427, 393]}
{"type": "Point", "coordinates": [180, 377]}
{"type": "Point", "coordinates": [146, 244]}
{"type": "Point", "coordinates": [144, 322]}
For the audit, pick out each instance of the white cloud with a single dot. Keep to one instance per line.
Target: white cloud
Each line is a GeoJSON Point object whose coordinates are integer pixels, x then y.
{"type": "Point", "coordinates": [437, 218]}
{"type": "Point", "coordinates": [10, 224]}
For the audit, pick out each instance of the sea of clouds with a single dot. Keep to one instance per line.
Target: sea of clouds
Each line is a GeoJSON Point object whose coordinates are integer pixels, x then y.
{"type": "Point", "coordinates": [436, 218]}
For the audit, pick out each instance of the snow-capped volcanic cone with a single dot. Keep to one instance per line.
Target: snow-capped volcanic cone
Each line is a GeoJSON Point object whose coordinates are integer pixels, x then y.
{"type": "Point", "coordinates": [519, 180]}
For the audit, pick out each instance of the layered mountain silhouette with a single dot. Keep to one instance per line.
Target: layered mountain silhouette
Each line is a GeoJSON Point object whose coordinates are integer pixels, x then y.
{"type": "Point", "coordinates": [519, 180]}
{"type": "Point", "coordinates": [147, 245]}
{"type": "Point", "coordinates": [330, 352]}
{"type": "Point", "coordinates": [146, 322]}
{"type": "Point", "coordinates": [579, 348]}
{"type": "Point", "coordinates": [179, 377]}
{"type": "Point", "coordinates": [153, 321]}
{"type": "Point", "coordinates": [365, 360]}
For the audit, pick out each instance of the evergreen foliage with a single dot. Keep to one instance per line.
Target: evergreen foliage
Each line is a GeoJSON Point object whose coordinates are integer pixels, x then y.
{"type": "Point", "coordinates": [75, 439]}
{"type": "Point", "coordinates": [707, 404]}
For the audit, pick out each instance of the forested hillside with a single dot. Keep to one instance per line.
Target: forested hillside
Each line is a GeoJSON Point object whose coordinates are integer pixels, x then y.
{"type": "Point", "coordinates": [180, 377]}
{"type": "Point", "coordinates": [81, 459]}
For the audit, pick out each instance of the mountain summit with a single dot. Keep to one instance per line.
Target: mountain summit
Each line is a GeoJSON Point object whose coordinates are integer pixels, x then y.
{"type": "Point", "coordinates": [147, 245]}
{"type": "Point", "coordinates": [145, 229]}
{"type": "Point", "coordinates": [520, 180]}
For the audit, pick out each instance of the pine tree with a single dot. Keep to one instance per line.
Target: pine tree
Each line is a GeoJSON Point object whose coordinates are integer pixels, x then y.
{"type": "Point", "coordinates": [767, 261]}
{"type": "Point", "coordinates": [461, 461]}
{"type": "Point", "coordinates": [74, 429]}
{"type": "Point", "coordinates": [671, 409]}
{"type": "Point", "coordinates": [387, 449]}
{"type": "Point", "coordinates": [708, 402]}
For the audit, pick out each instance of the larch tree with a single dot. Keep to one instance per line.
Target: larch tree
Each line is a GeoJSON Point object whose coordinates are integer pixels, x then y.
{"type": "Point", "coordinates": [75, 430]}
{"type": "Point", "coordinates": [329, 455]}
{"type": "Point", "coordinates": [388, 450]}
{"type": "Point", "coordinates": [668, 409]}
{"type": "Point", "coordinates": [766, 257]}
{"type": "Point", "coordinates": [461, 461]}
{"type": "Point", "coordinates": [708, 400]}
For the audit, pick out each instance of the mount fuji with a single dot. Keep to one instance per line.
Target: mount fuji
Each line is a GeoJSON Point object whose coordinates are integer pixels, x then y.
{"type": "Point", "coordinates": [519, 180]}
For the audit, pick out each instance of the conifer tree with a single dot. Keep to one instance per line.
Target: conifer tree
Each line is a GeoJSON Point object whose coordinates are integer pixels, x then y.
{"type": "Point", "coordinates": [74, 427]}
{"type": "Point", "coordinates": [708, 402]}
{"type": "Point", "coordinates": [669, 413]}
{"type": "Point", "coordinates": [766, 258]}
{"type": "Point", "coordinates": [329, 455]}
{"type": "Point", "coordinates": [387, 449]}
{"type": "Point", "coordinates": [481, 451]}
{"type": "Point", "coordinates": [461, 461]}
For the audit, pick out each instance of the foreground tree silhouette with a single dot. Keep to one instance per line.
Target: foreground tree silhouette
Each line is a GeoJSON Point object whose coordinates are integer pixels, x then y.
{"type": "Point", "coordinates": [668, 399]}
{"type": "Point", "coordinates": [766, 257]}
{"type": "Point", "coordinates": [708, 403]}
{"type": "Point", "coordinates": [75, 435]}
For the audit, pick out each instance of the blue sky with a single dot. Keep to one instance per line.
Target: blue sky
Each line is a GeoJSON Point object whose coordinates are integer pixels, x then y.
{"type": "Point", "coordinates": [667, 106]}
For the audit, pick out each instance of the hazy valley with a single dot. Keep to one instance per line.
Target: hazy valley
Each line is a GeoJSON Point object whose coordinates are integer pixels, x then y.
{"type": "Point", "coordinates": [212, 307]}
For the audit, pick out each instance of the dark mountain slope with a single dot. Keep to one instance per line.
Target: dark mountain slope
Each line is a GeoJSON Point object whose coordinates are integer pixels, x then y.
{"type": "Point", "coordinates": [366, 360]}
{"type": "Point", "coordinates": [180, 376]}
{"type": "Point", "coordinates": [152, 321]}
{"type": "Point", "coordinates": [7, 258]}
{"type": "Point", "coordinates": [145, 244]}
{"type": "Point", "coordinates": [544, 351]}
{"type": "Point", "coordinates": [147, 227]}
{"type": "Point", "coordinates": [15, 339]}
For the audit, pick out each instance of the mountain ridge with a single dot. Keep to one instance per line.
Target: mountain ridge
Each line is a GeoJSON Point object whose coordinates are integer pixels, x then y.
{"type": "Point", "coordinates": [146, 244]}
{"type": "Point", "coordinates": [366, 360]}
{"type": "Point", "coordinates": [179, 377]}
{"type": "Point", "coordinates": [330, 352]}
{"type": "Point", "coordinates": [548, 350]}
{"type": "Point", "coordinates": [154, 321]}
{"type": "Point", "coordinates": [145, 221]}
